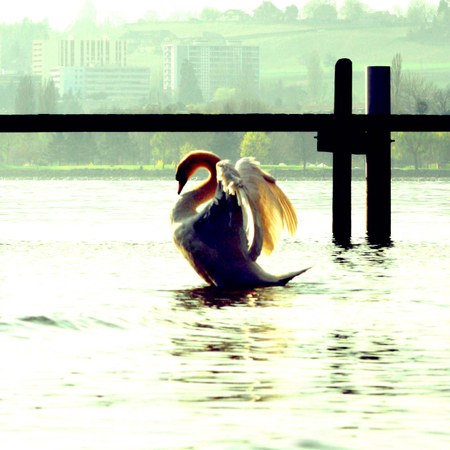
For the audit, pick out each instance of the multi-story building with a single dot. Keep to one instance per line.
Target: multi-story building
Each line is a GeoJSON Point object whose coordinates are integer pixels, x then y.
{"type": "Point", "coordinates": [77, 53]}
{"type": "Point", "coordinates": [91, 69]}
{"type": "Point", "coordinates": [216, 63]}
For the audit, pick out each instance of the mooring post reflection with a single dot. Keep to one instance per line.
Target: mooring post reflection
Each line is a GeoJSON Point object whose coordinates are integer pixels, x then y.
{"type": "Point", "coordinates": [359, 365]}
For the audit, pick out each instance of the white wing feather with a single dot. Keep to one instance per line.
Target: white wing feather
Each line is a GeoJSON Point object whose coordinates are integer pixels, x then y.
{"type": "Point", "coordinates": [232, 185]}
{"type": "Point", "coordinates": [265, 208]}
{"type": "Point", "coordinates": [270, 207]}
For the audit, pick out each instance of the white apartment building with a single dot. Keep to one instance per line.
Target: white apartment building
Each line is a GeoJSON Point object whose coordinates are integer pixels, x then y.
{"type": "Point", "coordinates": [77, 53]}
{"type": "Point", "coordinates": [91, 69]}
{"type": "Point", "coordinates": [217, 63]}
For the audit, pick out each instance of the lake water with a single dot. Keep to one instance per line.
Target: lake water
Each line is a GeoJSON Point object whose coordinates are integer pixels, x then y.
{"type": "Point", "coordinates": [109, 340]}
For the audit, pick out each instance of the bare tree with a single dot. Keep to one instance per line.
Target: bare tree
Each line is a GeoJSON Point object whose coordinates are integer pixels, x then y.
{"type": "Point", "coordinates": [396, 81]}
{"type": "Point", "coordinates": [416, 94]}
{"type": "Point", "coordinates": [441, 101]}
{"type": "Point", "coordinates": [412, 148]}
{"type": "Point", "coordinates": [315, 76]}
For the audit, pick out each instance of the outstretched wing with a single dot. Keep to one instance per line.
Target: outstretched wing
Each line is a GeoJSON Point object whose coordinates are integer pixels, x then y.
{"type": "Point", "coordinates": [272, 211]}
{"type": "Point", "coordinates": [248, 212]}
{"type": "Point", "coordinates": [226, 225]}
{"type": "Point", "coordinates": [234, 185]}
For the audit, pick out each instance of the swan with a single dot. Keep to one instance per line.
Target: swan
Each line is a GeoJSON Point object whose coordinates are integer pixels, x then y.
{"type": "Point", "coordinates": [244, 214]}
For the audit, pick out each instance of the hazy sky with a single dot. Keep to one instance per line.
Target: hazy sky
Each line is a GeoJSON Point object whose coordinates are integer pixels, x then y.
{"type": "Point", "coordinates": [62, 13]}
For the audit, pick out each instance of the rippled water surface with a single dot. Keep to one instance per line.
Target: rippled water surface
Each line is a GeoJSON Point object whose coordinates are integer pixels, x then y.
{"type": "Point", "coordinates": [109, 340]}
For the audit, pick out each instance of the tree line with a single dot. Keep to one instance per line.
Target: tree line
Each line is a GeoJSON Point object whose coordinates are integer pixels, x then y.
{"type": "Point", "coordinates": [419, 13]}
{"type": "Point", "coordinates": [160, 148]}
{"type": "Point", "coordinates": [418, 150]}
{"type": "Point", "coordinates": [320, 11]}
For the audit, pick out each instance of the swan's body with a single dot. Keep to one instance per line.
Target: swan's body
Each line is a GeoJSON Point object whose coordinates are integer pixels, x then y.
{"type": "Point", "coordinates": [245, 214]}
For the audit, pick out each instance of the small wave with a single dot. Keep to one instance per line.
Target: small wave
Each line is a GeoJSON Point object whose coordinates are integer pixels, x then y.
{"type": "Point", "coordinates": [4, 325]}
{"type": "Point", "coordinates": [47, 321]}
{"type": "Point", "coordinates": [105, 323]}
{"type": "Point", "coordinates": [80, 324]}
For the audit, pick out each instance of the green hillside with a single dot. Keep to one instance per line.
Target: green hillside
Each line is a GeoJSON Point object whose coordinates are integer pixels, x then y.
{"type": "Point", "coordinates": [285, 49]}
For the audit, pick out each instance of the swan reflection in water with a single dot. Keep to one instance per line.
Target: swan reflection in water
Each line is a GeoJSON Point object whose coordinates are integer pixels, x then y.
{"type": "Point", "coordinates": [212, 296]}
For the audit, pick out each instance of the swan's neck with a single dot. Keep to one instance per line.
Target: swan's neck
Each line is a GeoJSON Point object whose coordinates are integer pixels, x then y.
{"type": "Point", "coordinates": [189, 202]}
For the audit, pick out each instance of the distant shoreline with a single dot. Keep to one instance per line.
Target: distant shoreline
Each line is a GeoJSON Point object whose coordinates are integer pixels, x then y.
{"type": "Point", "coordinates": [139, 172]}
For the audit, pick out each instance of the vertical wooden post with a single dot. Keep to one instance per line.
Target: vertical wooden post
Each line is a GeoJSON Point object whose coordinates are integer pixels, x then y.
{"type": "Point", "coordinates": [378, 161]}
{"type": "Point", "coordinates": [342, 155]}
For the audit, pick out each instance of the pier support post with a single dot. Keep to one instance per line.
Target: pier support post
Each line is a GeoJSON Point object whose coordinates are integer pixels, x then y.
{"type": "Point", "coordinates": [342, 154]}
{"type": "Point", "coordinates": [378, 160]}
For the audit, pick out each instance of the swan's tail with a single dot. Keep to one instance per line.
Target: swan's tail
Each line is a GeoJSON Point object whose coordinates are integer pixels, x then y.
{"type": "Point", "coordinates": [252, 275]}
{"type": "Point", "coordinates": [284, 279]}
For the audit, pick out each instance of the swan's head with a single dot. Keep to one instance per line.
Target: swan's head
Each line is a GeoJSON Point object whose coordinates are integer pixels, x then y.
{"type": "Point", "coordinates": [191, 163]}
{"type": "Point", "coordinates": [182, 179]}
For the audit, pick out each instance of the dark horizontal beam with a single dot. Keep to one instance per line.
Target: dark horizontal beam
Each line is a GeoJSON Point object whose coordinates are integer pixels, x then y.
{"type": "Point", "coordinates": [402, 122]}
{"type": "Point", "coordinates": [217, 122]}
{"type": "Point", "coordinates": [163, 122]}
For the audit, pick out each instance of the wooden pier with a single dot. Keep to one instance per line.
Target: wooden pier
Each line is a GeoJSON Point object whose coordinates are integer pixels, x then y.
{"type": "Point", "coordinates": [342, 133]}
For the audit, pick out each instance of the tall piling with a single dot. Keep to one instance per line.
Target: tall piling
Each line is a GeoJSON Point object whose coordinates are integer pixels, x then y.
{"type": "Point", "coordinates": [342, 154]}
{"type": "Point", "coordinates": [378, 159]}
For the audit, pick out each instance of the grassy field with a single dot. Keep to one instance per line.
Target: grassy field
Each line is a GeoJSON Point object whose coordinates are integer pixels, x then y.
{"type": "Point", "coordinates": [87, 171]}
{"type": "Point", "coordinates": [168, 172]}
